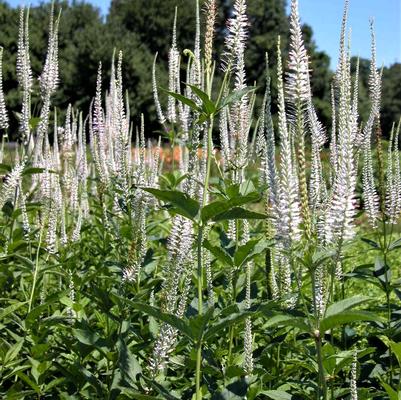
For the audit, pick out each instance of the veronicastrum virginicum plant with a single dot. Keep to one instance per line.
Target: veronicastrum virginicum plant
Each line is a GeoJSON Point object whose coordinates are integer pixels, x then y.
{"type": "Point", "coordinates": [317, 216]}
{"type": "Point", "coordinates": [81, 225]}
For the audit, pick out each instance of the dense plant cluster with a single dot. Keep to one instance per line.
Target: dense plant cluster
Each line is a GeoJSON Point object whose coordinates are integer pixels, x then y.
{"type": "Point", "coordinates": [223, 273]}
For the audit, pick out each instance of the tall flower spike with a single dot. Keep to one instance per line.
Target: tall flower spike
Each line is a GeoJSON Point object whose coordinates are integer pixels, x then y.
{"type": "Point", "coordinates": [318, 138]}
{"type": "Point", "coordinates": [297, 82]}
{"type": "Point", "coordinates": [333, 142]}
{"type": "Point", "coordinates": [397, 170]}
{"type": "Point", "coordinates": [235, 61]}
{"type": "Point", "coordinates": [340, 212]}
{"type": "Point", "coordinates": [3, 109]}
{"type": "Point", "coordinates": [375, 75]}
{"type": "Point", "coordinates": [391, 190]}
{"type": "Point", "coordinates": [287, 225]}
{"type": "Point", "coordinates": [122, 128]}
{"type": "Point", "coordinates": [26, 228]}
{"type": "Point", "coordinates": [195, 78]}
{"type": "Point", "coordinates": [24, 73]}
{"type": "Point", "coordinates": [298, 93]}
{"type": "Point", "coordinates": [211, 12]}
{"type": "Point", "coordinates": [98, 129]}
{"type": "Point", "coordinates": [237, 35]}
{"type": "Point", "coordinates": [159, 111]}
{"type": "Point", "coordinates": [370, 194]}
{"type": "Point", "coordinates": [48, 83]}
{"type": "Point", "coordinates": [288, 196]}
{"type": "Point", "coordinates": [266, 140]}
{"type": "Point", "coordinates": [11, 183]}
{"type": "Point", "coordinates": [342, 64]}
{"type": "Point", "coordinates": [49, 77]}
{"type": "Point", "coordinates": [355, 100]}
{"type": "Point", "coordinates": [173, 68]}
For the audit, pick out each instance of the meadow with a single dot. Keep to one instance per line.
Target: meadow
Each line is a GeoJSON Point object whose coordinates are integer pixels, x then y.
{"type": "Point", "coordinates": [243, 255]}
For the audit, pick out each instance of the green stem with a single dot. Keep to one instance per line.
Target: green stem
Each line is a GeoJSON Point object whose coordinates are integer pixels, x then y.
{"type": "Point", "coordinates": [388, 295]}
{"type": "Point", "coordinates": [198, 371]}
{"type": "Point", "coordinates": [200, 270]}
{"type": "Point", "coordinates": [322, 388]}
{"type": "Point", "coordinates": [230, 345]}
{"type": "Point", "coordinates": [35, 273]}
{"type": "Point", "coordinates": [209, 159]}
{"type": "Point", "coordinates": [198, 374]}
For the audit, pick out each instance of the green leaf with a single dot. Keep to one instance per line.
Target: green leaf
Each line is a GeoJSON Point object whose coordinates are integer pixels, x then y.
{"type": "Point", "coordinates": [185, 100]}
{"type": "Point", "coordinates": [24, 260]}
{"type": "Point", "coordinates": [34, 122]}
{"type": "Point", "coordinates": [33, 316]}
{"type": "Point", "coordinates": [92, 380]}
{"type": "Point", "coordinates": [235, 96]}
{"type": "Point", "coordinates": [8, 209]}
{"type": "Point", "coordinates": [219, 253]}
{"type": "Point", "coordinates": [288, 320]}
{"type": "Point", "coordinates": [346, 317]}
{"type": "Point", "coordinates": [276, 394]}
{"type": "Point", "coordinates": [160, 389]}
{"type": "Point", "coordinates": [396, 349]}
{"type": "Point", "coordinates": [202, 119]}
{"type": "Point", "coordinates": [13, 351]}
{"type": "Point", "coordinates": [178, 323]}
{"type": "Point", "coordinates": [198, 324]}
{"type": "Point", "coordinates": [392, 394]}
{"type": "Point", "coordinates": [235, 390]}
{"type": "Point", "coordinates": [395, 245]}
{"type": "Point", "coordinates": [129, 365]}
{"type": "Point", "coordinates": [5, 167]}
{"type": "Point", "coordinates": [86, 337]}
{"type": "Point", "coordinates": [32, 171]}
{"type": "Point", "coordinates": [239, 213]}
{"type": "Point", "coordinates": [133, 394]}
{"type": "Point", "coordinates": [382, 272]}
{"type": "Point", "coordinates": [208, 105]}
{"type": "Point", "coordinates": [249, 250]}
{"type": "Point", "coordinates": [371, 243]}
{"type": "Point", "coordinates": [29, 381]}
{"type": "Point", "coordinates": [182, 203]}
{"type": "Point", "coordinates": [227, 322]}
{"type": "Point", "coordinates": [10, 309]}
{"type": "Point", "coordinates": [346, 304]}
{"type": "Point", "coordinates": [219, 207]}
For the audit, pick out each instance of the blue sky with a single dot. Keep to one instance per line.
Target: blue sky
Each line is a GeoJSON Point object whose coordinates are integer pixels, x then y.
{"type": "Point", "coordinates": [325, 17]}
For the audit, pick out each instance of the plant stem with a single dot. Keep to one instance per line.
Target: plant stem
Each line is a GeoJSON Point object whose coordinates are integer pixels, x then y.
{"type": "Point", "coordinates": [35, 273]}
{"type": "Point", "coordinates": [198, 374]}
{"type": "Point", "coordinates": [322, 388]}
{"type": "Point", "coordinates": [198, 371]}
{"type": "Point", "coordinates": [388, 294]}
{"type": "Point", "coordinates": [200, 270]}
{"type": "Point", "coordinates": [209, 159]}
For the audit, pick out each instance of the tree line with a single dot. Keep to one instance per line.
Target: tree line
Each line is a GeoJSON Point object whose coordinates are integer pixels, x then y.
{"type": "Point", "coordinates": [142, 28]}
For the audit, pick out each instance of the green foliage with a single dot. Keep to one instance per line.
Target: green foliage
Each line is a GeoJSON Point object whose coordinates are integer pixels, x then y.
{"type": "Point", "coordinates": [77, 323]}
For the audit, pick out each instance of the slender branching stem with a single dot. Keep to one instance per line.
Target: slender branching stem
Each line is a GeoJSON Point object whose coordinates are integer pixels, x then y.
{"type": "Point", "coordinates": [35, 272]}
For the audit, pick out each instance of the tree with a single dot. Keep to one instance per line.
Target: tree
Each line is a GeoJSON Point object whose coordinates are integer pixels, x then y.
{"type": "Point", "coordinates": [81, 47]}
{"type": "Point", "coordinates": [391, 104]}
